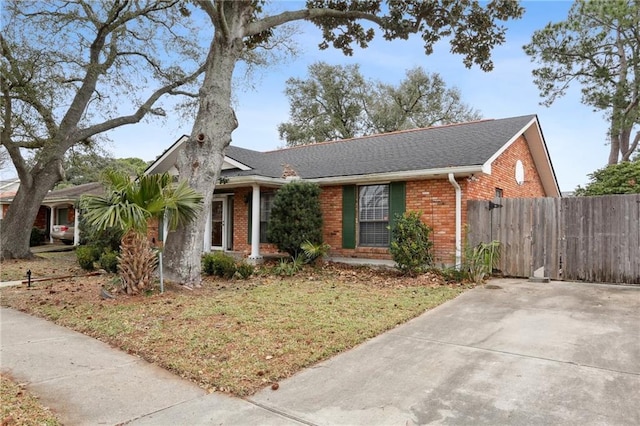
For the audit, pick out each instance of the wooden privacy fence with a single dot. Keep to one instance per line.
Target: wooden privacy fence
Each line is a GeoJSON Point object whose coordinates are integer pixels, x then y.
{"type": "Point", "coordinates": [577, 239]}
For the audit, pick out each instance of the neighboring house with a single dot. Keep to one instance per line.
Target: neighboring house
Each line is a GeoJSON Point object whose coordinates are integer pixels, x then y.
{"type": "Point", "coordinates": [58, 208]}
{"type": "Point", "coordinates": [367, 181]}
{"type": "Point", "coordinates": [8, 188]}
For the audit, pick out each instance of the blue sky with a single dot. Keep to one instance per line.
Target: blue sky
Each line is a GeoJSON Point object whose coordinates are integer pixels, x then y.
{"type": "Point", "coordinates": [575, 135]}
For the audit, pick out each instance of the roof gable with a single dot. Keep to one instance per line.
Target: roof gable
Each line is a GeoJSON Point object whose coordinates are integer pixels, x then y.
{"type": "Point", "coordinates": [167, 160]}
{"type": "Point", "coordinates": [463, 148]}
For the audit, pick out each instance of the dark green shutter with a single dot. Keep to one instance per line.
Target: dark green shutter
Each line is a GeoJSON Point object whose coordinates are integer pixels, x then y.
{"type": "Point", "coordinates": [397, 201]}
{"type": "Point", "coordinates": [349, 216]}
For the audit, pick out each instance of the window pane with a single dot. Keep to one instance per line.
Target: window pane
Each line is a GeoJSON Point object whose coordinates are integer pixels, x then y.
{"type": "Point", "coordinates": [374, 202]}
{"type": "Point", "coordinates": [373, 214]}
{"type": "Point", "coordinates": [266, 202]}
{"type": "Point", "coordinates": [374, 234]}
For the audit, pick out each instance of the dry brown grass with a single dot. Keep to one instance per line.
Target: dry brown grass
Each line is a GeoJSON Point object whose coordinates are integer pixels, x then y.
{"type": "Point", "coordinates": [19, 407]}
{"type": "Point", "coordinates": [236, 336]}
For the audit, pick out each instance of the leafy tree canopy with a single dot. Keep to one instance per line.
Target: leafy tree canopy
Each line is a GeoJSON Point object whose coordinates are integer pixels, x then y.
{"type": "Point", "coordinates": [597, 47]}
{"type": "Point", "coordinates": [471, 27]}
{"type": "Point", "coordinates": [71, 71]}
{"type": "Point", "coordinates": [622, 178]}
{"type": "Point", "coordinates": [90, 166]}
{"type": "Point", "coordinates": [337, 102]}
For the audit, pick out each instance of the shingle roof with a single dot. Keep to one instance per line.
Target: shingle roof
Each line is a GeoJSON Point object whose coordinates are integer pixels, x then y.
{"type": "Point", "coordinates": [74, 192]}
{"type": "Point", "coordinates": [67, 194]}
{"type": "Point", "coordinates": [458, 145]}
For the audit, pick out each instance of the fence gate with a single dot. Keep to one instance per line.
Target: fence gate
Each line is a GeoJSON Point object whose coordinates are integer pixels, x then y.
{"type": "Point", "coordinates": [579, 238]}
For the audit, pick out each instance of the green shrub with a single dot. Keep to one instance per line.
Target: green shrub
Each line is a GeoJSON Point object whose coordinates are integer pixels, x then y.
{"type": "Point", "coordinates": [410, 244]}
{"type": "Point", "coordinates": [480, 260]}
{"type": "Point", "coordinates": [245, 270]}
{"type": "Point", "coordinates": [109, 261]}
{"type": "Point", "coordinates": [289, 267]}
{"type": "Point", "coordinates": [314, 252]}
{"type": "Point", "coordinates": [295, 217]}
{"type": "Point", "coordinates": [219, 264]}
{"type": "Point", "coordinates": [37, 237]}
{"type": "Point", "coordinates": [454, 275]}
{"type": "Point", "coordinates": [87, 256]}
{"type": "Point", "coordinates": [103, 239]}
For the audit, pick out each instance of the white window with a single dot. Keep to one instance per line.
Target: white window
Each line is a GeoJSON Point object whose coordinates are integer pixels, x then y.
{"type": "Point", "coordinates": [373, 216]}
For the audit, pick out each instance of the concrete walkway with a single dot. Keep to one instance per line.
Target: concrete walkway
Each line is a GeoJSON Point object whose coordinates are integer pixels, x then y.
{"type": "Point", "coordinates": [524, 353]}
{"type": "Point", "coordinates": [86, 382]}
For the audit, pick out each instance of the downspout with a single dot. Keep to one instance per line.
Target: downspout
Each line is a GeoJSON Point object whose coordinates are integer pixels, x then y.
{"type": "Point", "coordinates": [452, 179]}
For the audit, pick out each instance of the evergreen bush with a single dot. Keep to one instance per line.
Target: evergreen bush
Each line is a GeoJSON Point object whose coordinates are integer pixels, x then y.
{"type": "Point", "coordinates": [87, 256]}
{"type": "Point", "coordinates": [245, 270]}
{"type": "Point", "coordinates": [296, 217]}
{"type": "Point", "coordinates": [109, 261]}
{"type": "Point", "coordinates": [37, 237]}
{"type": "Point", "coordinates": [410, 245]}
{"type": "Point", "coordinates": [219, 264]}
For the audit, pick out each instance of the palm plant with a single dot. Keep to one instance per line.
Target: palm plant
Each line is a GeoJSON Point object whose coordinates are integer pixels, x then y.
{"type": "Point", "coordinates": [128, 205]}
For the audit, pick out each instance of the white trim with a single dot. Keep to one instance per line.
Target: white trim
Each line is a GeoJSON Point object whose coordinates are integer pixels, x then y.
{"type": "Point", "coordinates": [224, 242]}
{"type": "Point", "coordinates": [207, 230]}
{"type": "Point", "coordinates": [510, 142]}
{"type": "Point", "coordinates": [76, 226]}
{"type": "Point", "coordinates": [239, 181]}
{"type": "Point", "coordinates": [538, 149]}
{"type": "Point", "coordinates": [172, 154]}
{"type": "Point", "coordinates": [235, 164]}
{"type": "Point", "coordinates": [52, 218]}
{"type": "Point", "coordinates": [255, 223]}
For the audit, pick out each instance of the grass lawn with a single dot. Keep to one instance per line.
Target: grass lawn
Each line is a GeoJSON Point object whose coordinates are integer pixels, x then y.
{"type": "Point", "coordinates": [19, 407]}
{"type": "Point", "coordinates": [235, 336]}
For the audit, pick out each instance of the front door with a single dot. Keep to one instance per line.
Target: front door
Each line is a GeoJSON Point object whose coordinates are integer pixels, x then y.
{"type": "Point", "coordinates": [217, 224]}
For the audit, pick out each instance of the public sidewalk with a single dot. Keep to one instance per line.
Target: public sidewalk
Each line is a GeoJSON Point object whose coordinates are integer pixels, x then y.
{"type": "Point", "coordinates": [87, 382]}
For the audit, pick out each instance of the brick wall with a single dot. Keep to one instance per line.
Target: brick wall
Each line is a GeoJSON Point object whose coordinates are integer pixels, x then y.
{"type": "Point", "coordinates": [503, 176]}
{"type": "Point", "coordinates": [41, 221]}
{"type": "Point", "coordinates": [435, 198]}
{"type": "Point", "coordinates": [241, 224]}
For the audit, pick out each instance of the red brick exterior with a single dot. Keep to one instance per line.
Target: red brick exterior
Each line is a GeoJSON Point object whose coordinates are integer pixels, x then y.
{"type": "Point", "coordinates": [41, 221]}
{"type": "Point", "coordinates": [503, 176]}
{"type": "Point", "coordinates": [435, 198]}
{"type": "Point", "coordinates": [241, 223]}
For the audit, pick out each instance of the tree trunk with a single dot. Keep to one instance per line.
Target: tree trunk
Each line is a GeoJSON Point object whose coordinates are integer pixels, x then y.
{"type": "Point", "coordinates": [137, 262]}
{"type": "Point", "coordinates": [201, 160]}
{"type": "Point", "coordinates": [22, 213]}
{"type": "Point", "coordinates": [614, 149]}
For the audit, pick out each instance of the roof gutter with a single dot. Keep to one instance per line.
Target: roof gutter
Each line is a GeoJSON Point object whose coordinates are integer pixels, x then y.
{"type": "Point", "coordinates": [458, 190]}
{"type": "Point", "coordinates": [239, 181]}
{"type": "Point", "coordinates": [404, 175]}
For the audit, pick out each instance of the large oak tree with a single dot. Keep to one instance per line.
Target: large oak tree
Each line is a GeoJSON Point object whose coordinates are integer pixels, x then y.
{"type": "Point", "coordinates": [597, 47]}
{"type": "Point", "coordinates": [338, 102]}
{"type": "Point", "coordinates": [470, 27]}
{"type": "Point", "coordinates": [72, 70]}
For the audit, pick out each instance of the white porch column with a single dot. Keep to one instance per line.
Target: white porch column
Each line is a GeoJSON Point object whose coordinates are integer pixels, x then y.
{"type": "Point", "coordinates": [207, 231]}
{"type": "Point", "coordinates": [52, 218]}
{"type": "Point", "coordinates": [255, 223]}
{"type": "Point", "coordinates": [76, 227]}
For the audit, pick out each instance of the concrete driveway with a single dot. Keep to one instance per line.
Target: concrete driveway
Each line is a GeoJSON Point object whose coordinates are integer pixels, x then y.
{"type": "Point", "coordinates": [525, 353]}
